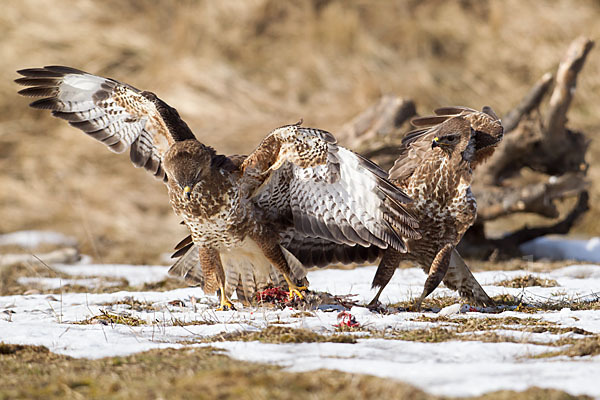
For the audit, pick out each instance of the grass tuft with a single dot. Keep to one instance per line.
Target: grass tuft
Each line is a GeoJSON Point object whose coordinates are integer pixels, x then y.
{"type": "Point", "coordinates": [283, 334]}
{"type": "Point", "coordinates": [107, 318]}
{"type": "Point", "coordinates": [527, 281]}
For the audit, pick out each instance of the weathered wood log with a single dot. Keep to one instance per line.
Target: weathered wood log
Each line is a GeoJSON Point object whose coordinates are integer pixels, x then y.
{"type": "Point", "coordinates": [566, 81]}
{"type": "Point", "coordinates": [530, 102]}
{"type": "Point", "coordinates": [376, 131]}
{"type": "Point", "coordinates": [476, 245]}
{"type": "Point", "coordinates": [538, 198]}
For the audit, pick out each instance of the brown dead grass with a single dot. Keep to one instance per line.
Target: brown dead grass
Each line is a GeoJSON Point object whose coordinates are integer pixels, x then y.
{"type": "Point", "coordinates": [282, 334]}
{"type": "Point", "coordinates": [35, 373]}
{"type": "Point", "coordinates": [527, 281]}
{"type": "Point", "coordinates": [108, 318]}
{"type": "Point", "coordinates": [589, 346]}
{"type": "Point", "coordinates": [236, 70]}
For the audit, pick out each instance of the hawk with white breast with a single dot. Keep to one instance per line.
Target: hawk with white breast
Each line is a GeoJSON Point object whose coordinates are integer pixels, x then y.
{"type": "Point", "coordinates": [297, 183]}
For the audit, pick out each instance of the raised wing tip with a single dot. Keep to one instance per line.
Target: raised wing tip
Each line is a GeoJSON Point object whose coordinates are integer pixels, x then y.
{"type": "Point", "coordinates": [489, 111]}
{"type": "Point", "coordinates": [63, 69]}
{"type": "Point", "coordinates": [453, 110]}
{"type": "Point", "coordinates": [49, 71]}
{"type": "Point", "coordinates": [44, 104]}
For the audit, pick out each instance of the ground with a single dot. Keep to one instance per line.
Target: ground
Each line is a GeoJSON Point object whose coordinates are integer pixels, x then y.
{"type": "Point", "coordinates": [136, 322]}
{"type": "Point", "coordinates": [235, 71]}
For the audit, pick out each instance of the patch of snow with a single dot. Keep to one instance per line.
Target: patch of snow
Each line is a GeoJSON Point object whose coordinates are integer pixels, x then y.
{"type": "Point", "coordinates": [448, 368]}
{"type": "Point", "coordinates": [560, 248]}
{"type": "Point", "coordinates": [33, 239]}
{"type": "Point", "coordinates": [136, 275]}
{"type": "Point", "coordinates": [455, 368]}
{"type": "Point", "coordinates": [57, 283]}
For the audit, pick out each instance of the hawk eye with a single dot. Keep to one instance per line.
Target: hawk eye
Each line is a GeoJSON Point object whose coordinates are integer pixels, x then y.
{"type": "Point", "coordinates": [450, 138]}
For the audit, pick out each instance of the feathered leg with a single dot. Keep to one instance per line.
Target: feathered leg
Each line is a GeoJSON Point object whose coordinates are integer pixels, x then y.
{"type": "Point", "coordinates": [269, 244]}
{"type": "Point", "coordinates": [460, 278]}
{"type": "Point", "coordinates": [437, 272]}
{"type": "Point", "coordinates": [214, 275]}
{"type": "Point", "coordinates": [387, 266]}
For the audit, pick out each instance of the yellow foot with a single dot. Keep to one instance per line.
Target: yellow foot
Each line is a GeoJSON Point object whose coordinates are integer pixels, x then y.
{"type": "Point", "coordinates": [226, 306]}
{"type": "Point", "coordinates": [296, 291]}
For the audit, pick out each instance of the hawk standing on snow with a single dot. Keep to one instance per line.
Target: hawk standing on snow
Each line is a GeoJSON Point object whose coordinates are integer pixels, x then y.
{"type": "Point", "coordinates": [435, 169]}
{"type": "Point", "coordinates": [297, 184]}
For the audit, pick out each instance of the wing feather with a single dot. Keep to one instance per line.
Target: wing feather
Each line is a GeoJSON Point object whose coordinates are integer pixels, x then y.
{"type": "Point", "coordinates": [318, 252]}
{"type": "Point", "coordinates": [326, 191]}
{"type": "Point", "coordinates": [114, 113]}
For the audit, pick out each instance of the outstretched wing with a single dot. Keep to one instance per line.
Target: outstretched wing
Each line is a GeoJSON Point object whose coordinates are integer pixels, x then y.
{"type": "Point", "coordinates": [301, 176]}
{"type": "Point", "coordinates": [416, 143]}
{"type": "Point", "coordinates": [318, 252]}
{"type": "Point", "coordinates": [116, 114]}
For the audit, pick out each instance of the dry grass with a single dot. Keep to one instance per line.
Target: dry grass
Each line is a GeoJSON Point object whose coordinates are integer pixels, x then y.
{"type": "Point", "coordinates": [108, 318]}
{"type": "Point", "coordinates": [527, 281]}
{"type": "Point", "coordinates": [283, 334]}
{"type": "Point", "coordinates": [236, 70]}
{"type": "Point", "coordinates": [35, 373]}
{"type": "Point", "coordinates": [580, 348]}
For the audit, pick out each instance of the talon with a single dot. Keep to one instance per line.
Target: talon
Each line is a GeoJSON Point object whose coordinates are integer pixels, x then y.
{"type": "Point", "coordinates": [295, 291]}
{"type": "Point", "coordinates": [226, 304]}
{"type": "Point", "coordinates": [416, 307]}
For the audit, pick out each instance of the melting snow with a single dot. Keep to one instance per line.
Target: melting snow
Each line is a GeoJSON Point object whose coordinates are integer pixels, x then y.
{"type": "Point", "coordinates": [32, 239]}
{"type": "Point", "coordinates": [559, 248]}
{"type": "Point", "coordinates": [453, 368]}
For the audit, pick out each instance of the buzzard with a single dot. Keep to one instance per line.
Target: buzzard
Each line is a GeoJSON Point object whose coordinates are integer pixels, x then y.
{"type": "Point", "coordinates": [298, 183]}
{"type": "Point", "coordinates": [434, 167]}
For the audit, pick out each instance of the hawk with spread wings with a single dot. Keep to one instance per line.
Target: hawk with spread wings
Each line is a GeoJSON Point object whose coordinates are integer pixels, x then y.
{"type": "Point", "coordinates": [298, 183]}
{"type": "Point", "coordinates": [434, 167]}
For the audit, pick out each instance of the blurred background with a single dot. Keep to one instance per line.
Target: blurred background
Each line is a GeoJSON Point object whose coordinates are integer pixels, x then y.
{"type": "Point", "coordinates": [237, 69]}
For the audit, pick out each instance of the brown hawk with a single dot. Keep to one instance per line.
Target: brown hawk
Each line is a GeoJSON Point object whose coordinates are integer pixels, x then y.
{"type": "Point", "coordinates": [434, 167]}
{"type": "Point", "coordinates": [297, 183]}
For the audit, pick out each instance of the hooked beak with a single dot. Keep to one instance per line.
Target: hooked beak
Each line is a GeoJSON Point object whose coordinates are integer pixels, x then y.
{"type": "Point", "coordinates": [188, 192]}
{"type": "Point", "coordinates": [435, 142]}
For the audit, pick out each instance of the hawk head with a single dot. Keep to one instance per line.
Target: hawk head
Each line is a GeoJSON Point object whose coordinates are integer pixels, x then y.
{"type": "Point", "coordinates": [488, 133]}
{"type": "Point", "coordinates": [187, 163]}
{"type": "Point", "coordinates": [455, 137]}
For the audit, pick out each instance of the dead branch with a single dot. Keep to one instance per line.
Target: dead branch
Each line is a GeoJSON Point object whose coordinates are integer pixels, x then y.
{"type": "Point", "coordinates": [543, 144]}
{"type": "Point", "coordinates": [378, 123]}
{"type": "Point", "coordinates": [531, 101]}
{"type": "Point", "coordinates": [476, 245]}
{"type": "Point", "coordinates": [538, 198]}
{"type": "Point", "coordinates": [566, 80]}
{"type": "Point", "coordinates": [560, 228]}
